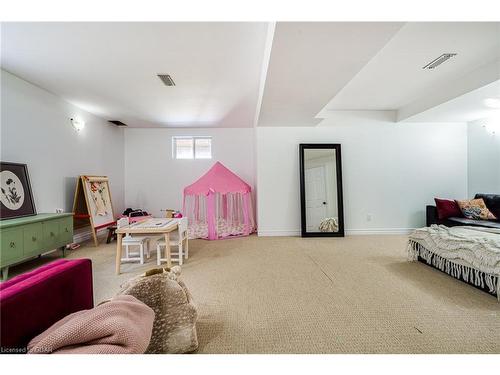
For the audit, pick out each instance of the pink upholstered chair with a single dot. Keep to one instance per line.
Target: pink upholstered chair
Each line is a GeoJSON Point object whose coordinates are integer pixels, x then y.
{"type": "Point", "coordinates": [30, 303]}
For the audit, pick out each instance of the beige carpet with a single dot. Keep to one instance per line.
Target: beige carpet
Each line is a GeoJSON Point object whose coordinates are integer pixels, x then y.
{"type": "Point", "coordinates": [292, 295]}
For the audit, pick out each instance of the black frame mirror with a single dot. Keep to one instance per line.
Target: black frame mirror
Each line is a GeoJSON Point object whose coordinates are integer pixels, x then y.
{"type": "Point", "coordinates": [338, 174]}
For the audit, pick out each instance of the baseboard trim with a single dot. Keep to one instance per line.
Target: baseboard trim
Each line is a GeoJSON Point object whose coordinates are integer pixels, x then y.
{"type": "Point", "coordinates": [348, 232]}
{"type": "Point", "coordinates": [85, 236]}
{"type": "Point", "coordinates": [278, 233]}
{"type": "Point", "coordinates": [355, 232]}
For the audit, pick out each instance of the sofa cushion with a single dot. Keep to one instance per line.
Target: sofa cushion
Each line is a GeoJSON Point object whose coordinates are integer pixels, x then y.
{"type": "Point", "coordinates": [475, 209]}
{"type": "Point", "coordinates": [30, 303]}
{"type": "Point", "coordinates": [29, 275]}
{"type": "Point", "coordinates": [492, 201]}
{"type": "Point", "coordinates": [478, 223]}
{"type": "Point", "coordinates": [447, 208]}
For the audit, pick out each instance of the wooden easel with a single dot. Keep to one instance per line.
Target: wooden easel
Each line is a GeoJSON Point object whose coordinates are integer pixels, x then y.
{"type": "Point", "coordinates": [82, 216]}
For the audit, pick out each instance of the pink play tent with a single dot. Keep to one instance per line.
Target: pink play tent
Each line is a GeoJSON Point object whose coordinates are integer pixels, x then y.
{"type": "Point", "coordinates": [219, 205]}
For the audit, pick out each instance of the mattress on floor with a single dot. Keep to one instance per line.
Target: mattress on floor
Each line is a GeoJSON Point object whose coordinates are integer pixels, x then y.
{"type": "Point", "coordinates": [465, 252]}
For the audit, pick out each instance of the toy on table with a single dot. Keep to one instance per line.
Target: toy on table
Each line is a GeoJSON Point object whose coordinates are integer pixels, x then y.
{"type": "Point", "coordinates": [133, 217]}
{"type": "Point", "coordinates": [170, 213]}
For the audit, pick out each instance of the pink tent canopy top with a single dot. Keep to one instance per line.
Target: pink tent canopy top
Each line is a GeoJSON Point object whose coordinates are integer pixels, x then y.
{"type": "Point", "coordinates": [218, 179]}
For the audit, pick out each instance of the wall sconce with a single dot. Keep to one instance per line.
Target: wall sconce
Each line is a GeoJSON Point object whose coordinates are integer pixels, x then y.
{"type": "Point", "coordinates": [78, 125]}
{"type": "Point", "coordinates": [492, 124]}
{"type": "Point", "coordinates": [492, 129]}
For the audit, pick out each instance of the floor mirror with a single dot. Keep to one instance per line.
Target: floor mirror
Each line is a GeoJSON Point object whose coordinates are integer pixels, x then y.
{"type": "Point", "coordinates": [321, 202]}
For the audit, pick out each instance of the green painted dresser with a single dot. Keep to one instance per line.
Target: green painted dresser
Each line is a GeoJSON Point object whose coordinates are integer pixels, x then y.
{"type": "Point", "coordinates": [28, 237]}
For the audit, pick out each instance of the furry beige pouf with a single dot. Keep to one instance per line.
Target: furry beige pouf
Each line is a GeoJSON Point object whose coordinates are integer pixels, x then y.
{"type": "Point", "coordinates": [174, 327]}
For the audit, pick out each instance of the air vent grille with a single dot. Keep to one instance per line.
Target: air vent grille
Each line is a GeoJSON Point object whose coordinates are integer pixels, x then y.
{"type": "Point", "coordinates": [166, 79]}
{"type": "Point", "coordinates": [117, 123]}
{"type": "Point", "coordinates": [438, 61]}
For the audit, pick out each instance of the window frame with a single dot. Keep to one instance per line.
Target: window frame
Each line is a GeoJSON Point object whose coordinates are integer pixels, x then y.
{"type": "Point", "coordinates": [193, 138]}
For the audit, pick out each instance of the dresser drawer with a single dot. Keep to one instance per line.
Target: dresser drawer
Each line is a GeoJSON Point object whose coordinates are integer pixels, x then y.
{"type": "Point", "coordinates": [33, 239]}
{"type": "Point", "coordinates": [50, 234]}
{"type": "Point", "coordinates": [11, 245]}
{"type": "Point", "coordinates": [66, 230]}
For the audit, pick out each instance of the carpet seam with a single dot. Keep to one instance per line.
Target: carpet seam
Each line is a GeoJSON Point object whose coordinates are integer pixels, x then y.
{"type": "Point", "coordinates": [321, 269]}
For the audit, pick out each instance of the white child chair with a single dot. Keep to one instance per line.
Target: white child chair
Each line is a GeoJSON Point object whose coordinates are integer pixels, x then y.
{"type": "Point", "coordinates": [142, 242]}
{"type": "Point", "coordinates": [179, 239]}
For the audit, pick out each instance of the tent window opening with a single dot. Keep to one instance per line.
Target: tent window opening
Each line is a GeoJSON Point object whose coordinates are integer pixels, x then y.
{"type": "Point", "coordinates": [192, 147]}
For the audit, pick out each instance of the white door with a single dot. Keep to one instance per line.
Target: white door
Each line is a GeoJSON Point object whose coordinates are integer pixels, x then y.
{"type": "Point", "coordinates": [315, 185]}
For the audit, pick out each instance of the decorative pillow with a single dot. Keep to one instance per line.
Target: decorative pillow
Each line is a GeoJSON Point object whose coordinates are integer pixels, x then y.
{"type": "Point", "coordinates": [475, 209]}
{"type": "Point", "coordinates": [447, 208]}
{"type": "Point", "coordinates": [492, 201]}
{"type": "Point", "coordinates": [174, 327]}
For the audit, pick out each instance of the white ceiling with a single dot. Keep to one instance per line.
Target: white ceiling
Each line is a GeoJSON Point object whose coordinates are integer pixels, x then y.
{"type": "Point", "coordinates": [394, 77]}
{"type": "Point", "coordinates": [311, 62]}
{"type": "Point", "coordinates": [228, 74]}
{"type": "Point", "coordinates": [468, 107]}
{"type": "Point", "coordinates": [110, 69]}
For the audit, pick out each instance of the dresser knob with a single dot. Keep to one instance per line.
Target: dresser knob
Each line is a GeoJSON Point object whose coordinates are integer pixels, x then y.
{"type": "Point", "coordinates": [66, 230]}
{"type": "Point", "coordinates": [51, 234]}
{"type": "Point", "coordinates": [12, 244]}
{"type": "Point", "coordinates": [33, 238]}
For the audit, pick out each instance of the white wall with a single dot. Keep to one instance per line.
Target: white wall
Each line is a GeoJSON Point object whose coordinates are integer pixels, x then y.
{"type": "Point", "coordinates": [389, 170]}
{"type": "Point", "coordinates": [155, 181]}
{"type": "Point", "coordinates": [36, 130]}
{"type": "Point", "coordinates": [483, 150]}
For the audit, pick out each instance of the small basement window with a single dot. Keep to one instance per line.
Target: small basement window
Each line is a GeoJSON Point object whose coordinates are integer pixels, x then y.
{"type": "Point", "coordinates": [187, 147]}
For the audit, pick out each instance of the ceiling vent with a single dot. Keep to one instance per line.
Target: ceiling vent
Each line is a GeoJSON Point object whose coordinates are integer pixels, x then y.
{"type": "Point", "coordinates": [117, 123]}
{"type": "Point", "coordinates": [166, 79]}
{"type": "Point", "coordinates": [438, 61]}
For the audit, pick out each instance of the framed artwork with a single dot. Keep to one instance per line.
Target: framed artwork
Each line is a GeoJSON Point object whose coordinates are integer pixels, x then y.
{"type": "Point", "coordinates": [92, 204]}
{"type": "Point", "coordinates": [16, 196]}
{"type": "Point", "coordinates": [99, 200]}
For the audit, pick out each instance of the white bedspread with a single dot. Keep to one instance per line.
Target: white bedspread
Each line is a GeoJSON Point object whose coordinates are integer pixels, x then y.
{"type": "Point", "coordinates": [480, 247]}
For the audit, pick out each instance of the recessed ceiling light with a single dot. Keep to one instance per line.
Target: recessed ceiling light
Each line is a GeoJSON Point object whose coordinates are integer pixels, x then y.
{"type": "Point", "coordinates": [117, 122]}
{"type": "Point", "coordinates": [439, 60]}
{"type": "Point", "coordinates": [166, 79]}
{"type": "Point", "coordinates": [492, 103]}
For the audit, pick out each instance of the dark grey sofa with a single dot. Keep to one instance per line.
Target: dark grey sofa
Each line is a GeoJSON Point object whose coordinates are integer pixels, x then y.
{"type": "Point", "coordinates": [492, 201]}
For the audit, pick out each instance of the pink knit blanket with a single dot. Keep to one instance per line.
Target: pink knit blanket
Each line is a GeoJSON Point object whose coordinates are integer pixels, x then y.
{"type": "Point", "coordinates": [122, 325]}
